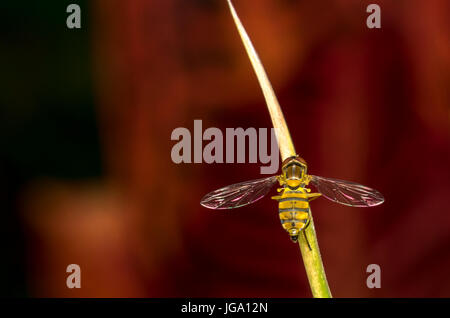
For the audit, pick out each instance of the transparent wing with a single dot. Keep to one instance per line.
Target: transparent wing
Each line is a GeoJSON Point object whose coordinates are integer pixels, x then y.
{"type": "Point", "coordinates": [346, 192]}
{"type": "Point", "coordinates": [238, 194]}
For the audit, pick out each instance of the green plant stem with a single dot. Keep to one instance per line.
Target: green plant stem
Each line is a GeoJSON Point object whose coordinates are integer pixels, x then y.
{"type": "Point", "coordinates": [311, 258]}
{"type": "Point", "coordinates": [313, 262]}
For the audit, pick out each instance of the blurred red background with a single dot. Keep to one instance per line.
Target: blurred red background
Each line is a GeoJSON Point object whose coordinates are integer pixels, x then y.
{"type": "Point", "coordinates": [367, 105]}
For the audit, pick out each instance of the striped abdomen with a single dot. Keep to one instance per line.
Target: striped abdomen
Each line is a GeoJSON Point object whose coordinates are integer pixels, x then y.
{"type": "Point", "coordinates": [293, 207]}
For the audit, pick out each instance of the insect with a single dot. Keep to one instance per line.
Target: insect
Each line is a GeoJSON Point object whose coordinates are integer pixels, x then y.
{"type": "Point", "coordinates": [294, 196]}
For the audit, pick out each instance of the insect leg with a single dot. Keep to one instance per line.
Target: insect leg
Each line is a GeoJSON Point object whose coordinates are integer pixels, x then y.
{"type": "Point", "coordinates": [307, 242]}
{"type": "Point", "coordinates": [307, 225]}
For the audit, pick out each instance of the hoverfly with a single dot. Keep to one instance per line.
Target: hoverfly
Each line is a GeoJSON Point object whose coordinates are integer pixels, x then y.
{"type": "Point", "coordinates": [294, 196]}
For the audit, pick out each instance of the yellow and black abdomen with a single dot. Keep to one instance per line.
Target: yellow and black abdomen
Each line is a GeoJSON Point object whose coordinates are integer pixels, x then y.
{"type": "Point", "coordinates": [293, 208]}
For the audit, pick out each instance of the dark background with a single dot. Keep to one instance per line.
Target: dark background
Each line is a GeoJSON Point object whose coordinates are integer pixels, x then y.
{"type": "Point", "coordinates": [86, 118]}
